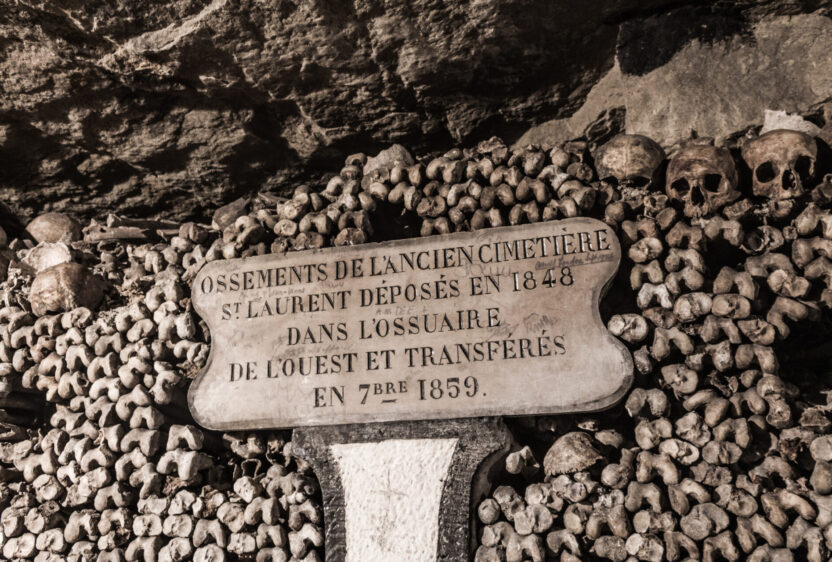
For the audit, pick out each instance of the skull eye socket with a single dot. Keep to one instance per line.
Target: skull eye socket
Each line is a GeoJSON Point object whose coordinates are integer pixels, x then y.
{"type": "Point", "coordinates": [803, 166]}
{"type": "Point", "coordinates": [639, 182]}
{"type": "Point", "coordinates": [680, 187]}
{"type": "Point", "coordinates": [766, 172]}
{"type": "Point", "coordinates": [611, 180]}
{"type": "Point", "coordinates": [711, 182]}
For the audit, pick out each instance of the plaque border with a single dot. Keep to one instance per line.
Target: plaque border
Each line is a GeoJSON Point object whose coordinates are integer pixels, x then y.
{"type": "Point", "coordinates": [601, 403]}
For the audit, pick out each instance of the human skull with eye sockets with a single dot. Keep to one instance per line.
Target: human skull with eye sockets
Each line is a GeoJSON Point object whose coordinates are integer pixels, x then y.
{"type": "Point", "coordinates": [781, 163]}
{"type": "Point", "coordinates": [703, 178]}
{"type": "Point", "coordinates": [629, 162]}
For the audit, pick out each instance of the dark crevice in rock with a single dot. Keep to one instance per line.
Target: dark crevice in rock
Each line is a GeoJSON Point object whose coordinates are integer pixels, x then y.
{"type": "Point", "coordinates": [649, 43]}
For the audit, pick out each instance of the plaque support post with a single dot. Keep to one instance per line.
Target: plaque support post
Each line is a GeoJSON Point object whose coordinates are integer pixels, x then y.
{"type": "Point", "coordinates": [402, 490]}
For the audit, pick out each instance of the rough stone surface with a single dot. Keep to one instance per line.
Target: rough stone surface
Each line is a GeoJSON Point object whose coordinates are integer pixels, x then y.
{"type": "Point", "coordinates": [713, 88]}
{"type": "Point", "coordinates": [178, 107]}
{"type": "Point", "coordinates": [392, 493]}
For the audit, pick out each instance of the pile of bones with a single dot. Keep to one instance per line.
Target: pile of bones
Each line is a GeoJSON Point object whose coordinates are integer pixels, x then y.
{"type": "Point", "coordinates": [721, 450]}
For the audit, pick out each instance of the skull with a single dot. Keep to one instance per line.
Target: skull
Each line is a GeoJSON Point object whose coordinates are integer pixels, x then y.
{"type": "Point", "coordinates": [629, 160]}
{"type": "Point", "coordinates": [781, 162]}
{"type": "Point", "coordinates": [702, 177]}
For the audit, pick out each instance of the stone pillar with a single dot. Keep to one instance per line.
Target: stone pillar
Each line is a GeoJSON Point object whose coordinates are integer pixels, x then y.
{"type": "Point", "coordinates": [402, 490]}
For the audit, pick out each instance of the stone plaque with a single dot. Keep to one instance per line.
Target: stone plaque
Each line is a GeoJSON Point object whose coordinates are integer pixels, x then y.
{"type": "Point", "coordinates": [501, 321]}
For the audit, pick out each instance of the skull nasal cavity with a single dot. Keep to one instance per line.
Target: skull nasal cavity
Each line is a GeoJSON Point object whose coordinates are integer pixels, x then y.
{"type": "Point", "coordinates": [711, 182]}
{"type": "Point", "coordinates": [766, 172]}
{"type": "Point", "coordinates": [788, 179]}
{"type": "Point", "coordinates": [696, 196]}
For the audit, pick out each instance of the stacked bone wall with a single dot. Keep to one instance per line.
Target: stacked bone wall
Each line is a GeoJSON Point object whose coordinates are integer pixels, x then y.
{"type": "Point", "coordinates": [721, 450]}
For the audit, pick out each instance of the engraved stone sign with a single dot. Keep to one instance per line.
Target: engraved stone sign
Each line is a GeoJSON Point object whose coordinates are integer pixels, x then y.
{"type": "Point", "coordinates": [501, 321]}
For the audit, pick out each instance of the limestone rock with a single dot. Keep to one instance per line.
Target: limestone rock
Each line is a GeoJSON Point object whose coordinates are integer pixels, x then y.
{"type": "Point", "coordinates": [175, 108]}
{"type": "Point", "coordinates": [64, 287]}
{"type": "Point", "coordinates": [572, 452]}
{"type": "Point", "coordinates": [667, 87]}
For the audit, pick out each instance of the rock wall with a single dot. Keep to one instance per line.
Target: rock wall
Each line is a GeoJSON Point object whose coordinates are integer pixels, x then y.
{"type": "Point", "coordinates": [172, 108]}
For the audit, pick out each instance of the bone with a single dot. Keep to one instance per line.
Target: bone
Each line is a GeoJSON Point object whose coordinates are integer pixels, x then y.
{"type": "Point", "coordinates": [43, 517]}
{"type": "Point", "coordinates": [632, 328]}
{"type": "Point", "coordinates": [189, 436]}
{"type": "Point", "coordinates": [645, 547]}
{"type": "Point", "coordinates": [175, 550]}
{"type": "Point", "coordinates": [533, 519]}
{"type": "Point", "coordinates": [21, 547]}
{"type": "Point", "coordinates": [610, 548]}
{"type": "Point", "coordinates": [209, 553]}
{"type": "Point", "coordinates": [750, 530]}
{"type": "Point", "coordinates": [522, 462]}
{"type": "Point", "coordinates": [723, 300]}
{"type": "Point", "coordinates": [703, 521]}
{"type": "Point", "coordinates": [779, 151]}
{"type": "Point", "coordinates": [185, 463]}
{"type": "Point", "coordinates": [720, 547]}
{"type": "Point", "coordinates": [776, 506]}
{"type": "Point", "coordinates": [302, 541]}
{"type": "Point", "coordinates": [563, 541]}
{"type": "Point", "coordinates": [640, 494]}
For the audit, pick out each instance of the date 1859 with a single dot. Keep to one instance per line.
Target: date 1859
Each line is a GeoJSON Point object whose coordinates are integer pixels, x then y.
{"type": "Point", "coordinates": [436, 389]}
{"type": "Point", "coordinates": [389, 392]}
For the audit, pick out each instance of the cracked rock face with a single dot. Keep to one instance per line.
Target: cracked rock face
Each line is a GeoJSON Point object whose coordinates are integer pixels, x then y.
{"type": "Point", "coordinates": [175, 108]}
